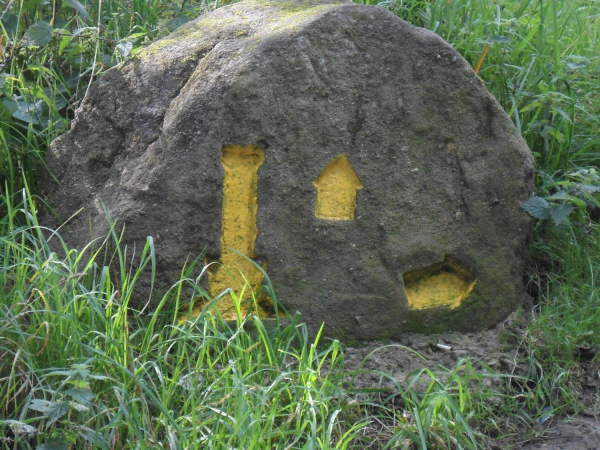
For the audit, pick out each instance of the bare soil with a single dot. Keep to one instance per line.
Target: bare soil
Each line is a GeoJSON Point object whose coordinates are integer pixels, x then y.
{"type": "Point", "coordinates": [571, 433]}
{"type": "Point", "coordinates": [387, 365]}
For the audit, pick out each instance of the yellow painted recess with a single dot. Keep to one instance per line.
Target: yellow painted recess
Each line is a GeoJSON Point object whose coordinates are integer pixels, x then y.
{"type": "Point", "coordinates": [238, 229]}
{"type": "Point", "coordinates": [336, 190]}
{"type": "Point", "coordinates": [445, 284]}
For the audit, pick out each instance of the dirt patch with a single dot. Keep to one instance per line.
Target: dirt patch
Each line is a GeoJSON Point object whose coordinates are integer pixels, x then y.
{"type": "Point", "coordinates": [574, 433]}
{"type": "Point", "coordinates": [386, 366]}
{"type": "Point", "coordinates": [388, 363]}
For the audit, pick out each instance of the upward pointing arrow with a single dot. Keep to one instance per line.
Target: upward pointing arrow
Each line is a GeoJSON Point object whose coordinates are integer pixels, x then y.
{"type": "Point", "coordinates": [336, 190]}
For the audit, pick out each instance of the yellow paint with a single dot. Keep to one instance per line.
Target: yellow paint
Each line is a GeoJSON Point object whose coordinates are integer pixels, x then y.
{"type": "Point", "coordinates": [238, 230]}
{"type": "Point", "coordinates": [336, 190]}
{"type": "Point", "coordinates": [444, 284]}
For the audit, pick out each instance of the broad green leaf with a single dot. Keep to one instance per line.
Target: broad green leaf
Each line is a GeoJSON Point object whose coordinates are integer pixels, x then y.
{"type": "Point", "coordinates": [30, 113]}
{"type": "Point", "coordinates": [10, 23]}
{"type": "Point", "coordinates": [52, 410]}
{"type": "Point", "coordinates": [56, 411]}
{"type": "Point", "coordinates": [124, 49]}
{"type": "Point", "coordinates": [78, 31]}
{"type": "Point", "coordinates": [92, 437]}
{"type": "Point", "coordinates": [560, 195]}
{"type": "Point", "coordinates": [39, 34]}
{"type": "Point", "coordinates": [39, 405]}
{"type": "Point", "coordinates": [81, 384]}
{"type": "Point", "coordinates": [560, 213]}
{"type": "Point", "coordinates": [19, 427]}
{"type": "Point", "coordinates": [79, 8]}
{"type": "Point", "coordinates": [537, 207]}
{"type": "Point", "coordinates": [107, 60]}
{"type": "Point", "coordinates": [64, 43]}
{"type": "Point", "coordinates": [175, 22]}
{"type": "Point", "coordinates": [10, 104]}
{"type": "Point", "coordinates": [80, 395]}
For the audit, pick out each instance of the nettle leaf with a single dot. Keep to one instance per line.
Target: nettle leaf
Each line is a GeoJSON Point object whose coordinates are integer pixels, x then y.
{"type": "Point", "coordinates": [78, 31]}
{"type": "Point", "coordinates": [52, 410]}
{"type": "Point", "coordinates": [589, 188]}
{"type": "Point", "coordinates": [57, 410]}
{"type": "Point", "coordinates": [10, 22]}
{"type": "Point", "coordinates": [39, 405]}
{"type": "Point", "coordinates": [79, 8]}
{"type": "Point", "coordinates": [81, 384]}
{"type": "Point", "coordinates": [19, 427]}
{"type": "Point", "coordinates": [537, 207]}
{"type": "Point", "coordinates": [124, 49]}
{"type": "Point", "coordinates": [560, 195]}
{"type": "Point", "coordinates": [10, 104]}
{"type": "Point", "coordinates": [107, 60]}
{"type": "Point", "coordinates": [92, 437]}
{"type": "Point", "coordinates": [30, 113]}
{"type": "Point", "coordinates": [175, 22]}
{"type": "Point", "coordinates": [39, 34]}
{"type": "Point", "coordinates": [560, 213]}
{"type": "Point", "coordinates": [80, 395]}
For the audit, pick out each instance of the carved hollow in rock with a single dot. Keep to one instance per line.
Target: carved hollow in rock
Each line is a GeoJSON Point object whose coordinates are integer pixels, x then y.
{"type": "Point", "coordinates": [443, 284]}
{"type": "Point", "coordinates": [336, 190]}
{"type": "Point", "coordinates": [235, 269]}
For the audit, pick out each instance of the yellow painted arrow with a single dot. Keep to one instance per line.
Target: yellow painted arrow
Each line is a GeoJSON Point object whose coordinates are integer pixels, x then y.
{"type": "Point", "coordinates": [336, 190]}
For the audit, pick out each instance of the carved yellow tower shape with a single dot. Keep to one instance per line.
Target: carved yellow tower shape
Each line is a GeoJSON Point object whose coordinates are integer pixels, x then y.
{"type": "Point", "coordinates": [239, 229]}
{"type": "Point", "coordinates": [336, 190]}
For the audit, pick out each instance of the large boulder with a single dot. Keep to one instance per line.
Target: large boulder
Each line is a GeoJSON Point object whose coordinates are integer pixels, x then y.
{"type": "Point", "coordinates": [358, 158]}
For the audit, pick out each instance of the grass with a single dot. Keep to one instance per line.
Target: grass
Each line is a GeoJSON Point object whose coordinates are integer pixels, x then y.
{"type": "Point", "coordinates": [79, 368]}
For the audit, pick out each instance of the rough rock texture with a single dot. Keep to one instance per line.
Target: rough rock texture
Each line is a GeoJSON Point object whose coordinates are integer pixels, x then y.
{"type": "Point", "coordinates": [435, 168]}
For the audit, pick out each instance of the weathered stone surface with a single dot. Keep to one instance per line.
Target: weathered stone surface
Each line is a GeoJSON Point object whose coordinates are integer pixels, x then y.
{"type": "Point", "coordinates": [357, 157]}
